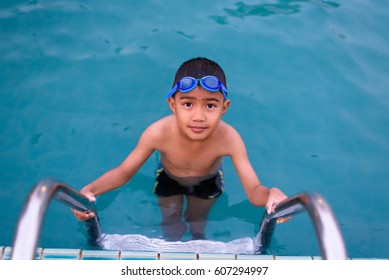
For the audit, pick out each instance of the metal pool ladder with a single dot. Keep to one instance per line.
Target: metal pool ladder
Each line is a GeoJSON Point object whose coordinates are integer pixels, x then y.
{"type": "Point", "coordinates": [327, 230]}
{"type": "Point", "coordinates": [31, 218]}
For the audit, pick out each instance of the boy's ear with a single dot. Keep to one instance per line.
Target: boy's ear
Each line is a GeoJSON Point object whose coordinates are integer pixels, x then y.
{"type": "Point", "coordinates": [226, 104]}
{"type": "Point", "coordinates": [172, 103]}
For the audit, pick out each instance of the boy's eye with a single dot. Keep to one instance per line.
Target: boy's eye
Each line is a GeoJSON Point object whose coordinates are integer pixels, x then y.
{"type": "Point", "coordinates": [211, 106]}
{"type": "Point", "coordinates": [187, 104]}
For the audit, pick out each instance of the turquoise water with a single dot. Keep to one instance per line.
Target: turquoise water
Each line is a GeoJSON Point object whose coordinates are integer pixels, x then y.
{"type": "Point", "coordinates": [308, 81]}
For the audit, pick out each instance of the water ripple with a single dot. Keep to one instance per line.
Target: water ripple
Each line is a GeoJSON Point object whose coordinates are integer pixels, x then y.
{"type": "Point", "coordinates": [243, 10]}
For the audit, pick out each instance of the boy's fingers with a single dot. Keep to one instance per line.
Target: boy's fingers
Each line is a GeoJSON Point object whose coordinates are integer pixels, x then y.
{"type": "Point", "coordinates": [82, 216]}
{"type": "Point", "coordinates": [270, 207]}
{"type": "Point", "coordinates": [91, 198]}
{"type": "Point", "coordinates": [283, 220]}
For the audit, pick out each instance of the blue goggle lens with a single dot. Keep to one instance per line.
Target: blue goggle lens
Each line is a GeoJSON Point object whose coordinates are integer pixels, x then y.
{"type": "Point", "coordinates": [210, 83]}
{"type": "Point", "coordinates": [186, 84]}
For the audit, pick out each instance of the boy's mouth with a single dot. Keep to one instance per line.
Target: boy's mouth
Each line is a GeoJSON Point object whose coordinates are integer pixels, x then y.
{"type": "Point", "coordinates": [197, 129]}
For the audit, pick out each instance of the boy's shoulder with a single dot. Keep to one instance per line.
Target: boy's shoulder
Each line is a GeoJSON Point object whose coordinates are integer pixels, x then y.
{"type": "Point", "coordinates": [228, 130]}
{"type": "Point", "coordinates": [162, 123]}
{"type": "Point", "coordinates": [160, 127]}
{"type": "Point", "coordinates": [230, 140]}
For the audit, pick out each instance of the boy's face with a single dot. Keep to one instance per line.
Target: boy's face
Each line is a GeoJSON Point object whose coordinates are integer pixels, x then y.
{"type": "Point", "coordinates": [198, 112]}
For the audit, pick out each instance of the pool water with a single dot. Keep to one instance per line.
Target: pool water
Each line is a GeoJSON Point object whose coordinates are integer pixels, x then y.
{"type": "Point", "coordinates": [308, 82]}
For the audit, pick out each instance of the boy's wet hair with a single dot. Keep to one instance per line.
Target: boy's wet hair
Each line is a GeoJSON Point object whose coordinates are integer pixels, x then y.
{"type": "Point", "coordinates": [199, 67]}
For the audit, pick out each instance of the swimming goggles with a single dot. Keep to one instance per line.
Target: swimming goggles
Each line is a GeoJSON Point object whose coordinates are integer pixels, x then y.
{"type": "Point", "coordinates": [210, 83]}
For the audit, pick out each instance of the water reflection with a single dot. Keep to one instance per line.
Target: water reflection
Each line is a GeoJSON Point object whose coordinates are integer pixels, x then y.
{"type": "Point", "coordinates": [243, 10]}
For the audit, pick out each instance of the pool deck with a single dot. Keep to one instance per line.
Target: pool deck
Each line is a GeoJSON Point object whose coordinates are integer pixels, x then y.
{"type": "Point", "coordinates": [79, 254]}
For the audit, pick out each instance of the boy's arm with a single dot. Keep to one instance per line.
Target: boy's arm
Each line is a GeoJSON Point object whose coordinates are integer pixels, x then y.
{"type": "Point", "coordinates": [119, 175]}
{"type": "Point", "coordinates": [257, 193]}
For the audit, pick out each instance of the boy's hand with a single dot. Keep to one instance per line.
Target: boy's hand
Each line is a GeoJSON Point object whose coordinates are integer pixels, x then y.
{"type": "Point", "coordinates": [82, 216]}
{"type": "Point", "coordinates": [274, 198]}
{"type": "Point", "coordinates": [85, 215]}
{"type": "Point", "coordinates": [89, 195]}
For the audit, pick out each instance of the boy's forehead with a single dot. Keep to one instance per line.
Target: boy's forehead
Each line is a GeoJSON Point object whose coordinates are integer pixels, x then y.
{"type": "Point", "coordinates": [200, 94]}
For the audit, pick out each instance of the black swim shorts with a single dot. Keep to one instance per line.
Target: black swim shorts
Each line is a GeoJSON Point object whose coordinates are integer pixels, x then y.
{"type": "Point", "coordinates": [210, 188]}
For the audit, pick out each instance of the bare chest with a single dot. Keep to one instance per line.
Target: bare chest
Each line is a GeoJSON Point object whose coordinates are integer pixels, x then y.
{"type": "Point", "coordinates": [182, 161]}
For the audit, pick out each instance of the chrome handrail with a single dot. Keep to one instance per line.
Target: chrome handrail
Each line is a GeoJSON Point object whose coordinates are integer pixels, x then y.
{"type": "Point", "coordinates": [31, 218]}
{"type": "Point", "coordinates": [327, 230]}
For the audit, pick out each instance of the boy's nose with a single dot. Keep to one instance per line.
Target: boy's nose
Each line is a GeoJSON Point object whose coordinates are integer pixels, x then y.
{"type": "Point", "coordinates": [198, 115]}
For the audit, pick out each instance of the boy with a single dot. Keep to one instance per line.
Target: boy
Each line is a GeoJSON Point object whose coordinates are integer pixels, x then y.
{"type": "Point", "coordinates": [191, 142]}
